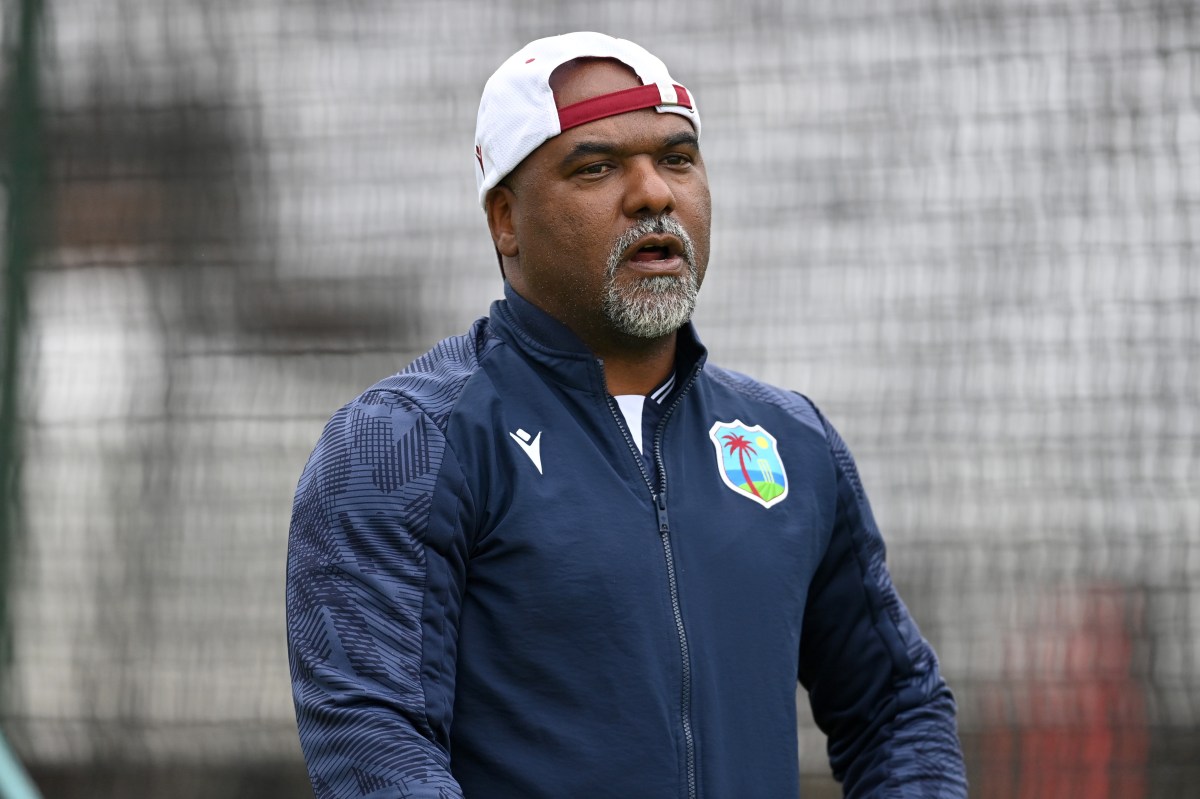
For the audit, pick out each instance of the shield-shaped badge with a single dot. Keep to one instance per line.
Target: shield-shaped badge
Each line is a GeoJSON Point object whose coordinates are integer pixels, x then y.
{"type": "Point", "coordinates": [749, 463]}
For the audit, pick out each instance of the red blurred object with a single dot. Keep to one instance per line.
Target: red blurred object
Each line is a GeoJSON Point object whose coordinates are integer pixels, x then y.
{"type": "Point", "coordinates": [1070, 720]}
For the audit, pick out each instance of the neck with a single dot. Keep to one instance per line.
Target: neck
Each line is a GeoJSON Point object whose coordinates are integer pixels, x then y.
{"type": "Point", "coordinates": [638, 369]}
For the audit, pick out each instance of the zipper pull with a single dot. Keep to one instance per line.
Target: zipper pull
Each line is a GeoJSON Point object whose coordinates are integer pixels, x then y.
{"type": "Point", "coordinates": [660, 509]}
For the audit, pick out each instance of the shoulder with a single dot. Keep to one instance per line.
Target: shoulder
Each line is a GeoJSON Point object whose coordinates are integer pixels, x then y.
{"type": "Point", "coordinates": [431, 385]}
{"type": "Point", "coordinates": [793, 403]}
{"type": "Point", "coordinates": [403, 415]}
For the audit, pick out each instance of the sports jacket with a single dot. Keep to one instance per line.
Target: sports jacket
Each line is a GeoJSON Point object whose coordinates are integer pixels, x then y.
{"type": "Point", "coordinates": [491, 594]}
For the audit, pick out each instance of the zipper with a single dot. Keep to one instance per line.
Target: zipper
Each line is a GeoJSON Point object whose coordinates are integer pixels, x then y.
{"type": "Point", "coordinates": [664, 531]}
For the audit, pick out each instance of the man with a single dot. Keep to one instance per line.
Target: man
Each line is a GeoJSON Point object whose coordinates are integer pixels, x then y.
{"type": "Point", "coordinates": [561, 555]}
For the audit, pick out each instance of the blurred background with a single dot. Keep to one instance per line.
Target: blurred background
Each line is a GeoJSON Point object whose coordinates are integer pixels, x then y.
{"type": "Point", "coordinates": [967, 229]}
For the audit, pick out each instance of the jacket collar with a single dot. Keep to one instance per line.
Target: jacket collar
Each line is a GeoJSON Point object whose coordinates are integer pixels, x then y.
{"type": "Point", "coordinates": [551, 344]}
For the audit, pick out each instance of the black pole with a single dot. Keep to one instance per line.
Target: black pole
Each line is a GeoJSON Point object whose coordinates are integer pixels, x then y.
{"type": "Point", "coordinates": [23, 177]}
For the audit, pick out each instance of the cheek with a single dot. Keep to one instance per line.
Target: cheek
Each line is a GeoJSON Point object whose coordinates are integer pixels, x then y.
{"type": "Point", "coordinates": [702, 202]}
{"type": "Point", "coordinates": [580, 233]}
{"type": "Point", "coordinates": [566, 229]}
{"type": "Point", "coordinates": [564, 253]}
{"type": "Point", "coordinates": [698, 221]}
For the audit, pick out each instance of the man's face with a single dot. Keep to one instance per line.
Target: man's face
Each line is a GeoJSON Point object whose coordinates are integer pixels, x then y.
{"type": "Point", "coordinates": [610, 220]}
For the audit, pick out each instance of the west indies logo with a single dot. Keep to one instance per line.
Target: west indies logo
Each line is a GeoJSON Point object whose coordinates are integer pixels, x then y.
{"type": "Point", "coordinates": [748, 460]}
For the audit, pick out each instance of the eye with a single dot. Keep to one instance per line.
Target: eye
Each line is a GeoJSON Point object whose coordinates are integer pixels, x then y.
{"type": "Point", "coordinates": [677, 160]}
{"type": "Point", "coordinates": [594, 170]}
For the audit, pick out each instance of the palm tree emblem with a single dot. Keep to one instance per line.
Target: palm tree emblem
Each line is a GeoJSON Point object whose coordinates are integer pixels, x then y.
{"type": "Point", "coordinates": [757, 473]}
{"type": "Point", "coordinates": [739, 445]}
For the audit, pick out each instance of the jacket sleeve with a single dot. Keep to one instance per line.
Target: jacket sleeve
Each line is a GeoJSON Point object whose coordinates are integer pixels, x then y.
{"type": "Point", "coordinates": [873, 681]}
{"type": "Point", "coordinates": [374, 583]}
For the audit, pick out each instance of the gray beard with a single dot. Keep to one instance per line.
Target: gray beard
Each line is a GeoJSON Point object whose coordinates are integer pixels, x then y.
{"type": "Point", "coordinates": [655, 306]}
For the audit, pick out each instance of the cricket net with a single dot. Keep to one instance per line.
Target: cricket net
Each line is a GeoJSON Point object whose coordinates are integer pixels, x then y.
{"type": "Point", "coordinates": [968, 230]}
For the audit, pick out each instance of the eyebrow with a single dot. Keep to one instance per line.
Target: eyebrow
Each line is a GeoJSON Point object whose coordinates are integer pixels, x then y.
{"type": "Point", "coordinates": [686, 137]}
{"type": "Point", "coordinates": [585, 148]}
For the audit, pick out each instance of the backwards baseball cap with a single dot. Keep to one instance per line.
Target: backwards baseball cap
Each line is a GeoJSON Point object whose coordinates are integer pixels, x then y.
{"type": "Point", "coordinates": [517, 112]}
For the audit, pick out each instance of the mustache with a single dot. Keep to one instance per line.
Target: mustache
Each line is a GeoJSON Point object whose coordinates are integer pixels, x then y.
{"type": "Point", "coordinates": [647, 227]}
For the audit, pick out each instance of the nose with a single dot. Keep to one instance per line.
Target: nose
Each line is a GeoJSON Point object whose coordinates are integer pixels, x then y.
{"type": "Point", "coordinates": [647, 192]}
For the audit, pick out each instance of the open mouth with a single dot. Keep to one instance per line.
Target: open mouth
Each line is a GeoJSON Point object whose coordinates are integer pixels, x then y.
{"type": "Point", "coordinates": [656, 249]}
{"type": "Point", "coordinates": [651, 253]}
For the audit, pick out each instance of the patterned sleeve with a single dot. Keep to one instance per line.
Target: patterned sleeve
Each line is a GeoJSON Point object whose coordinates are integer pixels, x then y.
{"type": "Point", "coordinates": [375, 570]}
{"type": "Point", "coordinates": [873, 681]}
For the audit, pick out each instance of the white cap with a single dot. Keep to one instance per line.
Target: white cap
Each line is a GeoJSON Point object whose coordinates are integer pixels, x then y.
{"type": "Point", "coordinates": [517, 111]}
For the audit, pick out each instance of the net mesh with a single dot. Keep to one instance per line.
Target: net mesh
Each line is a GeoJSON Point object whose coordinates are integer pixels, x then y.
{"type": "Point", "coordinates": [967, 230]}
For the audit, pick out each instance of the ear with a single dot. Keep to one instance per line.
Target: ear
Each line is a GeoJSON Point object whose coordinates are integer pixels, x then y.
{"type": "Point", "coordinates": [501, 208]}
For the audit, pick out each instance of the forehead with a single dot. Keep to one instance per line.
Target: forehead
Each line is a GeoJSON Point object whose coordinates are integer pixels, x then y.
{"type": "Point", "coordinates": [622, 135]}
{"type": "Point", "coordinates": [643, 130]}
{"type": "Point", "coordinates": [584, 78]}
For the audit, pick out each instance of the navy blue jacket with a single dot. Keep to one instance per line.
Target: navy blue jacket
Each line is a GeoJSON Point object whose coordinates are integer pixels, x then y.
{"type": "Point", "coordinates": [473, 613]}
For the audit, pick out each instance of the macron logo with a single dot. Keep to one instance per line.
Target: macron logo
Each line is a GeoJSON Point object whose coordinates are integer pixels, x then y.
{"type": "Point", "coordinates": [532, 448]}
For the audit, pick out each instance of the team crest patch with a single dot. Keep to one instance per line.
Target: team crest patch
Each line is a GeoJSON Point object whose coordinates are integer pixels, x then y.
{"type": "Point", "coordinates": [749, 463]}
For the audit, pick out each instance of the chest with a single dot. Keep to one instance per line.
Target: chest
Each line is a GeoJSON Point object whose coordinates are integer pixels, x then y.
{"type": "Point", "coordinates": [574, 520]}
